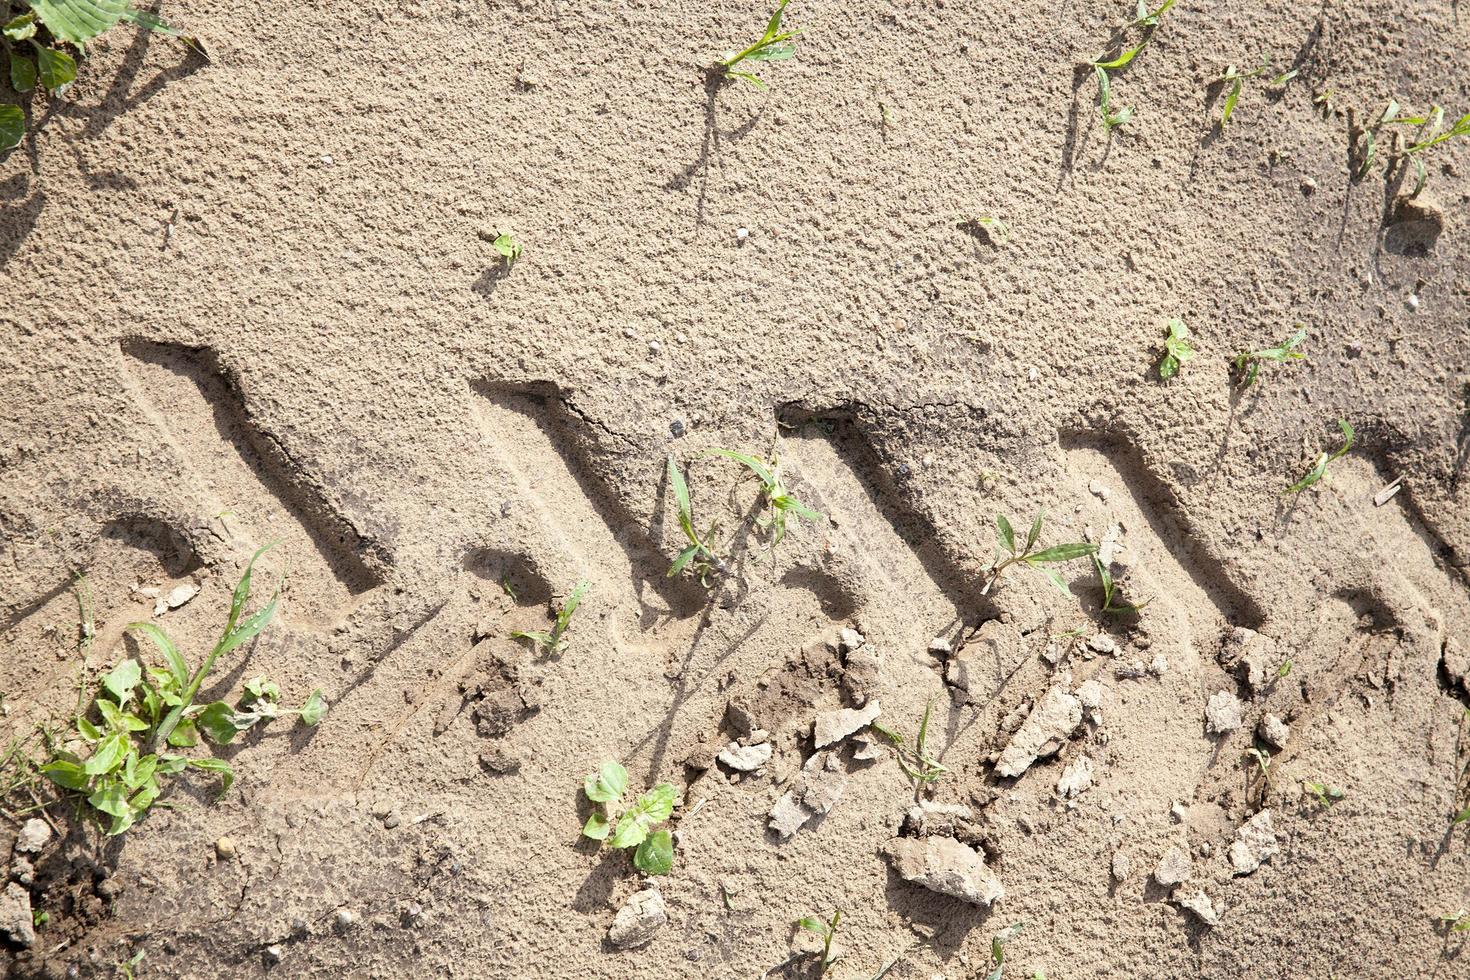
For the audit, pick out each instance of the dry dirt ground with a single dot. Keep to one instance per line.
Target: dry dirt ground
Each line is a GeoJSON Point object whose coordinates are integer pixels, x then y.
{"type": "Point", "coordinates": [253, 299]}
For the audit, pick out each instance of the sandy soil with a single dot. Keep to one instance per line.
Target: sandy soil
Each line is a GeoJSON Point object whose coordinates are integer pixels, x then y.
{"type": "Point", "coordinates": [253, 299]}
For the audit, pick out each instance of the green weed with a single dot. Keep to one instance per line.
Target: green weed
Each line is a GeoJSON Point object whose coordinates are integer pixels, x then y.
{"type": "Point", "coordinates": [1248, 363]}
{"type": "Point", "coordinates": [998, 949]}
{"type": "Point", "coordinates": [828, 931]}
{"type": "Point", "coordinates": [554, 642]}
{"type": "Point", "coordinates": [994, 228]}
{"type": "Point", "coordinates": [774, 45]}
{"type": "Point", "coordinates": [37, 35]}
{"type": "Point", "coordinates": [142, 711]}
{"type": "Point", "coordinates": [1101, 65]}
{"type": "Point", "coordinates": [1011, 555]}
{"type": "Point", "coordinates": [1235, 79]}
{"type": "Point", "coordinates": [1431, 133]}
{"type": "Point", "coordinates": [1319, 468]}
{"type": "Point", "coordinates": [1177, 351]}
{"type": "Point", "coordinates": [1326, 795]}
{"type": "Point", "coordinates": [507, 248]}
{"type": "Point", "coordinates": [915, 760]}
{"type": "Point", "coordinates": [700, 556]}
{"type": "Point", "coordinates": [778, 498]}
{"type": "Point", "coordinates": [632, 826]}
{"type": "Point", "coordinates": [1456, 921]}
{"type": "Point", "coordinates": [1263, 767]}
{"type": "Point", "coordinates": [1113, 603]}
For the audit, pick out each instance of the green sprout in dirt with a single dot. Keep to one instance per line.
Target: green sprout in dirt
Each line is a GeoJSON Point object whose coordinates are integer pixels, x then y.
{"type": "Point", "coordinates": [143, 710]}
{"type": "Point", "coordinates": [507, 248]}
{"type": "Point", "coordinates": [554, 642]}
{"type": "Point", "coordinates": [1456, 921]}
{"type": "Point", "coordinates": [1113, 603]}
{"type": "Point", "coordinates": [1431, 133]}
{"type": "Point", "coordinates": [36, 37]}
{"type": "Point", "coordinates": [996, 230]}
{"type": "Point", "coordinates": [1263, 769]}
{"type": "Point", "coordinates": [1248, 363]}
{"type": "Point", "coordinates": [828, 932]}
{"type": "Point", "coordinates": [780, 500]}
{"type": "Point", "coordinates": [1101, 65]}
{"type": "Point", "coordinates": [915, 760]}
{"type": "Point", "coordinates": [774, 45]}
{"type": "Point", "coordinates": [699, 556]}
{"type": "Point", "coordinates": [1325, 794]}
{"type": "Point", "coordinates": [632, 826]}
{"type": "Point", "coordinates": [1176, 350]}
{"type": "Point", "coordinates": [1319, 468]}
{"type": "Point", "coordinates": [1235, 78]}
{"type": "Point", "coordinates": [1011, 555]}
{"type": "Point", "coordinates": [998, 949]}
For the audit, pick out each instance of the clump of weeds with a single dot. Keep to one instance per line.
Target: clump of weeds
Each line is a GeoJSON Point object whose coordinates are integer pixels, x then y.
{"type": "Point", "coordinates": [775, 44]}
{"type": "Point", "coordinates": [552, 642]}
{"type": "Point", "coordinates": [699, 556]}
{"type": "Point", "coordinates": [780, 500]}
{"type": "Point", "coordinates": [42, 39]}
{"type": "Point", "coordinates": [1319, 467]}
{"type": "Point", "coordinates": [633, 825]}
{"type": "Point", "coordinates": [1247, 363]}
{"type": "Point", "coordinates": [826, 930]}
{"type": "Point", "coordinates": [1010, 554]}
{"type": "Point", "coordinates": [1113, 603]}
{"type": "Point", "coordinates": [1235, 78]}
{"type": "Point", "coordinates": [1146, 19]}
{"type": "Point", "coordinates": [507, 248]}
{"type": "Point", "coordinates": [1325, 794]}
{"type": "Point", "coordinates": [915, 760]}
{"type": "Point", "coordinates": [1177, 351]}
{"type": "Point", "coordinates": [1430, 132]}
{"type": "Point", "coordinates": [143, 711]}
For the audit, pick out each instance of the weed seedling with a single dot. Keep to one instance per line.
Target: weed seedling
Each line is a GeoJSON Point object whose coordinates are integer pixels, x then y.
{"type": "Point", "coordinates": [699, 556]}
{"type": "Point", "coordinates": [778, 498]}
{"type": "Point", "coordinates": [828, 931]}
{"type": "Point", "coordinates": [774, 45]}
{"type": "Point", "coordinates": [1325, 795]}
{"type": "Point", "coordinates": [1263, 767]}
{"type": "Point", "coordinates": [632, 826]}
{"type": "Point", "coordinates": [1149, 21]}
{"type": "Point", "coordinates": [142, 712]}
{"type": "Point", "coordinates": [1284, 669]}
{"type": "Point", "coordinates": [552, 643]}
{"type": "Point", "coordinates": [1248, 363]}
{"type": "Point", "coordinates": [1054, 555]}
{"type": "Point", "coordinates": [915, 760]}
{"type": "Point", "coordinates": [995, 229]}
{"type": "Point", "coordinates": [37, 34]}
{"type": "Point", "coordinates": [1430, 135]}
{"type": "Point", "coordinates": [507, 248]}
{"type": "Point", "coordinates": [998, 949]}
{"type": "Point", "coordinates": [1235, 78]}
{"type": "Point", "coordinates": [1176, 350]}
{"type": "Point", "coordinates": [1113, 603]}
{"type": "Point", "coordinates": [1319, 468]}
{"type": "Point", "coordinates": [1456, 921]}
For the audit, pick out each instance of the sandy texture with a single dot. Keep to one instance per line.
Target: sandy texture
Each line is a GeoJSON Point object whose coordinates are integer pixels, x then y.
{"type": "Point", "coordinates": [253, 300]}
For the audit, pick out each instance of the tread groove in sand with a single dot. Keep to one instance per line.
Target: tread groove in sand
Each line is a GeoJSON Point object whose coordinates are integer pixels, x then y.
{"type": "Point", "coordinates": [196, 407]}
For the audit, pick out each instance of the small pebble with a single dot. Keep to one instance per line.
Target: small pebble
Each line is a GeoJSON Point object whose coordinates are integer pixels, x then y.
{"type": "Point", "coordinates": [1033, 374]}
{"type": "Point", "coordinates": [742, 233]}
{"type": "Point", "coordinates": [346, 918]}
{"type": "Point", "coordinates": [273, 955]}
{"type": "Point", "coordinates": [1309, 186]}
{"type": "Point", "coordinates": [392, 820]}
{"type": "Point", "coordinates": [327, 159]}
{"type": "Point", "coordinates": [225, 849]}
{"type": "Point", "coordinates": [676, 427]}
{"type": "Point", "coordinates": [1413, 301]}
{"type": "Point", "coordinates": [654, 347]}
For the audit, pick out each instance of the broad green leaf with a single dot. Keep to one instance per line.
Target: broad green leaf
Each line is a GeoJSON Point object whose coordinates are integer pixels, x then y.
{"type": "Point", "coordinates": [171, 765]}
{"type": "Point", "coordinates": [262, 689]}
{"type": "Point", "coordinates": [67, 775]}
{"type": "Point", "coordinates": [119, 720]}
{"type": "Point", "coordinates": [89, 731]}
{"type": "Point", "coordinates": [651, 808]}
{"type": "Point", "coordinates": [220, 766]}
{"type": "Point", "coordinates": [217, 720]}
{"type": "Point", "coordinates": [632, 830]}
{"type": "Point", "coordinates": [1007, 533]}
{"type": "Point", "coordinates": [150, 22]}
{"type": "Point", "coordinates": [21, 28]}
{"type": "Point", "coordinates": [247, 630]}
{"type": "Point", "coordinates": [811, 924]}
{"type": "Point", "coordinates": [1034, 533]}
{"type": "Point", "coordinates": [139, 771]}
{"type": "Point", "coordinates": [122, 679]}
{"type": "Point", "coordinates": [683, 560]}
{"type": "Point", "coordinates": [111, 797]}
{"type": "Point", "coordinates": [22, 72]}
{"type": "Point", "coordinates": [184, 735]}
{"type": "Point", "coordinates": [314, 709]}
{"type": "Point", "coordinates": [55, 68]}
{"type": "Point", "coordinates": [607, 784]}
{"type": "Point", "coordinates": [1056, 579]}
{"type": "Point", "coordinates": [658, 802]}
{"type": "Point", "coordinates": [596, 826]}
{"type": "Point", "coordinates": [1063, 552]}
{"type": "Point", "coordinates": [12, 126]}
{"type": "Point", "coordinates": [655, 856]}
{"type": "Point", "coordinates": [109, 754]}
{"type": "Point", "coordinates": [176, 666]}
{"type": "Point", "coordinates": [78, 21]}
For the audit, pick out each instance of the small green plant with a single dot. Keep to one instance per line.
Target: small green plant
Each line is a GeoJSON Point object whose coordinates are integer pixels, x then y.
{"type": "Point", "coordinates": [1177, 351]}
{"type": "Point", "coordinates": [140, 713]}
{"type": "Point", "coordinates": [998, 949]}
{"type": "Point", "coordinates": [699, 557]}
{"type": "Point", "coordinates": [1458, 921]}
{"type": "Point", "coordinates": [37, 35]}
{"type": "Point", "coordinates": [1263, 767]}
{"type": "Point", "coordinates": [39, 918]}
{"type": "Point", "coordinates": [1248, 363]}
{"type": "Point", "coordinates": [828, 932]}
{"type": "Point", "coordinates": [127, 966]}
{"type": "Point", "coordinates": [1113, 603]}
{"type": "Point", "coordinates": [1011, 555]}
{"type": "Point", "coordinates": [774, 45]}
{"type": "Point", "coordinates": [1326, 795]}
{"type": "Point", "coordinates": [1431, 133]}
{"type": "Point", "coordinates": [915, 761]}
{"type": "Point", "coordinates": [554, 642]}
{"type": "Point", "coordinates": [1284, 669]}
{"type": "Point", "coordinates": [507, 248]}
{"type": "Point", "coordinates": [994, 228]}
{"type": "Point", "coordinates": [634, 825]}
{"type": "Point", "coordinates": [1319, 468]}
{"type": "Point", "coordinates": [1101, 65]}
{"type": "Point", "coordinates": [1235, 79]}
{"type": "Point", "coordinates": [780, 500]}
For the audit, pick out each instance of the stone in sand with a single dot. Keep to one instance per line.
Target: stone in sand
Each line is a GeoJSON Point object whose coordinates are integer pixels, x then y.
{"type": "Point", "coordinates": [833, 726]}
{"type": "Point", "coordinates": [818, 788]}
{"type": "Point", "coordinates": [1222, 713]}
{"type": "Point", "coordinates": [745, 758]}
{"type": "Point", "coordinates": [1076, 778]}
{"type": "Point", "coordinates": [1174, 867]}
{"type": "Point", "coordinates": [638, 920]}
{"type": "Point", "coordinates": [1255, 842]}
{"type": "Point", "coordinates": [944, 865]}
{"type": "Point", "coordinates": [1055, 717]}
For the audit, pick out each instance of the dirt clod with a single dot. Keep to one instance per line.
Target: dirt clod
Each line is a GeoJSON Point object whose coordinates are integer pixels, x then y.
{"type": "Point", "coordinates": [1222, 713]}
{"type": "Point", "coordinates": [1053, 720]}
{"type": "Point", "coordinates": [1255, 842]}
{"type": "Point", "coordinates": [944, 865]}
{"type": "Point", "coordinates": [640, 918]}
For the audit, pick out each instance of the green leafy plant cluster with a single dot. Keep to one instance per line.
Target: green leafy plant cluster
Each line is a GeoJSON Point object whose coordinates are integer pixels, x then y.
{"type": "Point", "coordinates": [915, 760]}
{"type": "Point", "coordinates": [1010, 554]}
{"type": "Point", "coordinates": [554, 641]}
{"type": "Point", "coordinates": [1177, 351]}
{"type": "Point", "coordinates": [1319, 467]}
{"type": "Point", "coordinates": [1431, 132]}
{"type": "Point", "coordinates": [780, 500]}
{"type": "Point", "coordinates": [827, 931]}
{"type": "Point", "coordinates": [42, 39]}
{"type": "Point", "coordinates": [1248, 363]}
{"type": "Point", "coordinates": [507, 248]}
{"type": "Point", "coordinates": [631, 826]}
{"type": "Point", "coordinates": [1235, 79]}
{"type": "Point", "coordinates": [775, 44]}
{"type": "Point", "coordinates": [1146, 19]}
{"type": "Point", "coordinates": [1325, 794]}
{"type": "Point", "coordinates": [699, 556]}
{"type": "Point", "coordinates": [142, 711]}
